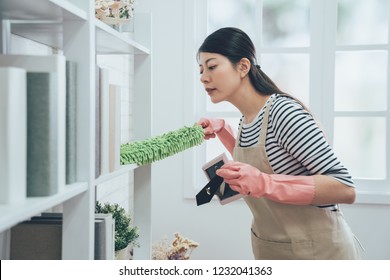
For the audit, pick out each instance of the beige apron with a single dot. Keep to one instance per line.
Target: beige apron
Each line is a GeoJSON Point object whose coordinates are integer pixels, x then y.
{"type": "Point", "coordinates": [283, 231]}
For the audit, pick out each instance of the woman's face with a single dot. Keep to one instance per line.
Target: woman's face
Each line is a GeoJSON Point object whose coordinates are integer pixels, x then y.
{"type": "Point", "coordinates": [218, 76]}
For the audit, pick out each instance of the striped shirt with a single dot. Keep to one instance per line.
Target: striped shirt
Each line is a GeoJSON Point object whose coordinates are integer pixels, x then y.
{"type": "Point", "coordinates": [295, 145]}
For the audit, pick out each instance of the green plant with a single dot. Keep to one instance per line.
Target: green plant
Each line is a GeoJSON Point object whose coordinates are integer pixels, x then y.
{"type": "Point", "coordinates": [125, 234]}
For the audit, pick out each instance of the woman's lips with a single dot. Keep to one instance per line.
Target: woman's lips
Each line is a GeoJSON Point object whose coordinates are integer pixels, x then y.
{"type": "Point", "coordinates": [210, 90]}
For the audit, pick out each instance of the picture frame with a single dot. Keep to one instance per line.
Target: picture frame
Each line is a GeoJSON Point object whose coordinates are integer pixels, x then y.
{"type": "Point", "coordinates": [225, 194]}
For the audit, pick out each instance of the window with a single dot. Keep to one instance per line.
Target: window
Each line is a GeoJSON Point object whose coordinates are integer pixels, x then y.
{"type": "Point", "coordinates": [331, 54]}
{"type": "Point", "coordinates": [361, 88]}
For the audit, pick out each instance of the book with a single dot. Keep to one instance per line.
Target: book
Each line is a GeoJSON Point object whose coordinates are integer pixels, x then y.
{"type": "Point", "coordinates": [104, 233]}
{"type": "Point", "coordinates": [114, 127]}
{"type": "Point", "coordinates": [37, 240]}
{"type": "Point", "coordinates": [42, 135]}
{"type": "Point", "coordinates": [13, 134]}
{"type": "Point", "coordinates": [97, 123]}
{"type": "Point", "coordinates": [104, 237]}
{"type": "Point", "coordinates": [41, 238]}
{"type": "Point", "coordinates": [104, 87]}
{"type": "Point", "coordinates": [5, 241]}
{"type": "Point", "coordinates": [100, 245]}
{"type": "Point", "coordinates": [48, 64]}
{"type": "Point", "coordinates": [71, 122]}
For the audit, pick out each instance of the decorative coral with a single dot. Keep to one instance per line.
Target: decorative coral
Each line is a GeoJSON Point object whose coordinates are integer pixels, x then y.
{"type": "Point", "coordinates": [179, 249]}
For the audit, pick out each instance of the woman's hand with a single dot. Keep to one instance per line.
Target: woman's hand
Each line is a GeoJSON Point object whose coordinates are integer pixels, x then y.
{"type": "Point", "coordinates": [211, 127]}
{"type": "Point", "coordinates": [243, 178]}
{"type": "Point", "coordinates": [218, 127]}
{"type": "Point", "coordinates": [248, 180]}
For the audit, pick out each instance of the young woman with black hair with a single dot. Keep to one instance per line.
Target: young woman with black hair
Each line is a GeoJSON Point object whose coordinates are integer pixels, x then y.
{"type": "Point", "coordinates": [282, 163]}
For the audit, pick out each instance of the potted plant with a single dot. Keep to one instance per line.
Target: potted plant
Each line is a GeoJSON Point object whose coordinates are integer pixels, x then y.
{"type": "Point", "coordinates": [125, 234]}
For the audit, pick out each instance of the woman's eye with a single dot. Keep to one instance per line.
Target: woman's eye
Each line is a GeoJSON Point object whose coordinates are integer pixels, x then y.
{"type": "Point", "coordinates": [210, 68]}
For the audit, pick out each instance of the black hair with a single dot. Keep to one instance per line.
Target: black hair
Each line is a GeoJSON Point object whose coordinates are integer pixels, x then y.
{"type": "Point", "coordinates": [235, 44]}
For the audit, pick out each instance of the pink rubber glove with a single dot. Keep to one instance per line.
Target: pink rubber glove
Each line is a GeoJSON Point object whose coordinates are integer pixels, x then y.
{"type": "Point", "coordinates": [218, 127]}
{"type": "Point", "coordinates": [248, 180]}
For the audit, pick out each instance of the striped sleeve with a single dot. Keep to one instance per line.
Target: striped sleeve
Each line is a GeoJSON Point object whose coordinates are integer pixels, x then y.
{"type": "Point", "coordinates": [294, 130]}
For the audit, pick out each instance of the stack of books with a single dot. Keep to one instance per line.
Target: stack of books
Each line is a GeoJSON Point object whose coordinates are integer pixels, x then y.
{"type": "Point", "coordinates": [40, 238]}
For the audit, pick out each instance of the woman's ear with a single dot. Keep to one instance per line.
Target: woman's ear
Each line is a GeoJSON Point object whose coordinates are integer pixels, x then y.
{"type": "Point", "coordinates": [244, 66]}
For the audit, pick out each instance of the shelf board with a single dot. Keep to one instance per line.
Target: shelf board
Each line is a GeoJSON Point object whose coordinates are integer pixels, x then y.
{"type": "Point", "coordinates": [18, 212]}
{"type": "Point", "coordinates": [110, 41]}
{"type": "Point", "coordinates": [40, 20]}
{"type": "Point", "coordinates": [48, 33]}
{"type": "Point", "coordinates": [122, 170]}
{"type": "Point", "coordinates": [40, 10]}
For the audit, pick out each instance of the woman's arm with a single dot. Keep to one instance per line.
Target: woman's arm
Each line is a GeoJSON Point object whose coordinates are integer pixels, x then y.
{"type": "Point", "coordinates": [289, 189]}
{"type": "Point", "coordinates": [227, 137]}
{"type": "Point", "coordinates": [328, 190]}
{"type": "Point", "coordinates": [299, 135]}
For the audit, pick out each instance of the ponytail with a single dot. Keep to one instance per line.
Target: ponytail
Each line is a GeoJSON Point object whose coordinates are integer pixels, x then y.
{"type": "Point", "coordinates": [261, 82]}
{"type": "Point", "coordinates": [265, 86]}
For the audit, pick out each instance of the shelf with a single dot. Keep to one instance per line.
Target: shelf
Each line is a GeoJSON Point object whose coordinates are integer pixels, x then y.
{"type": "Point", "coordinates": [122, 170]}
{"type": "Point", "coordinates": [57, 10]}
{"type": "Point", "coordinates": [45, 25]}
{"type": "Point", "coordinates": [18, 212]}
{"type": "Point", "coordinates": [48, 33]}
{"type": "Point", "coordinates": [110, 41]}
{"type": "Point", "coordinates": [41, 20]}
{"type": "Point", "coordinates": [70, 27]}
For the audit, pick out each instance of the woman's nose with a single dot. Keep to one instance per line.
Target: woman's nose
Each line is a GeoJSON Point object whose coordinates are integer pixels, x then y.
{"type": "Point", "coordinates": [204, 78]}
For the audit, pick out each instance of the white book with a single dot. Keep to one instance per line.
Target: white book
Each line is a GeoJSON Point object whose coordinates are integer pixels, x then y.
{"type": "Point", "coordinates": [109, 235]}
{"type": "Point", "coordinates": [104, 119]}
{"type": "Point", "coordinates": [55, 64]}
{"type": "Point", "coordinates": [13, 134]}
{"type": "Point", "coordinates": [71, 122]}
{"type": "Point", "coordinates": [97, 124]}
{"type": "Point", "coordinates": [115, 127]}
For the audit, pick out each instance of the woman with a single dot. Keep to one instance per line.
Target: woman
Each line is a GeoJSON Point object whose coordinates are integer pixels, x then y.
{"type": "Point", "coordinates": [292, 180]}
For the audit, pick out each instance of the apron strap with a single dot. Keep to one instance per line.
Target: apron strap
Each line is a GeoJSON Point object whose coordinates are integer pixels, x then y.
{"type": "Point", "coordinates": [239, 134]}
{"type": "Point", "coordinates": [264, 124]}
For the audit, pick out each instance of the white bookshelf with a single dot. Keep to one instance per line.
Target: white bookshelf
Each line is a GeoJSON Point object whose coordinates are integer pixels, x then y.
{"type": "Point", "coordinates": [110, 41]}
{"type": "Point", "coordinates": [71, 27]}
{"type": "Point", "coordinates": [20, 211]}
{"type": "Point", "coordinates": [122, 170]}
{"type": "Point", "coordinates": [43, 10]}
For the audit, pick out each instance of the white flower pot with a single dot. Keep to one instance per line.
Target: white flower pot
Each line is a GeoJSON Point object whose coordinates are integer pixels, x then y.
{"type": "Point", "coordinates": [125, 253]}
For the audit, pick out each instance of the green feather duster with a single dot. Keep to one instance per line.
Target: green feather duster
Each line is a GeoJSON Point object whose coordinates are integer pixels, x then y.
{"type": "Point", "coordinates": [160, 147]}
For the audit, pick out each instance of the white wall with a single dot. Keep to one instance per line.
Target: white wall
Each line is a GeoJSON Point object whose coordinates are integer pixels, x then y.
{"type": "Point", "coordinates": [222, 232]}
